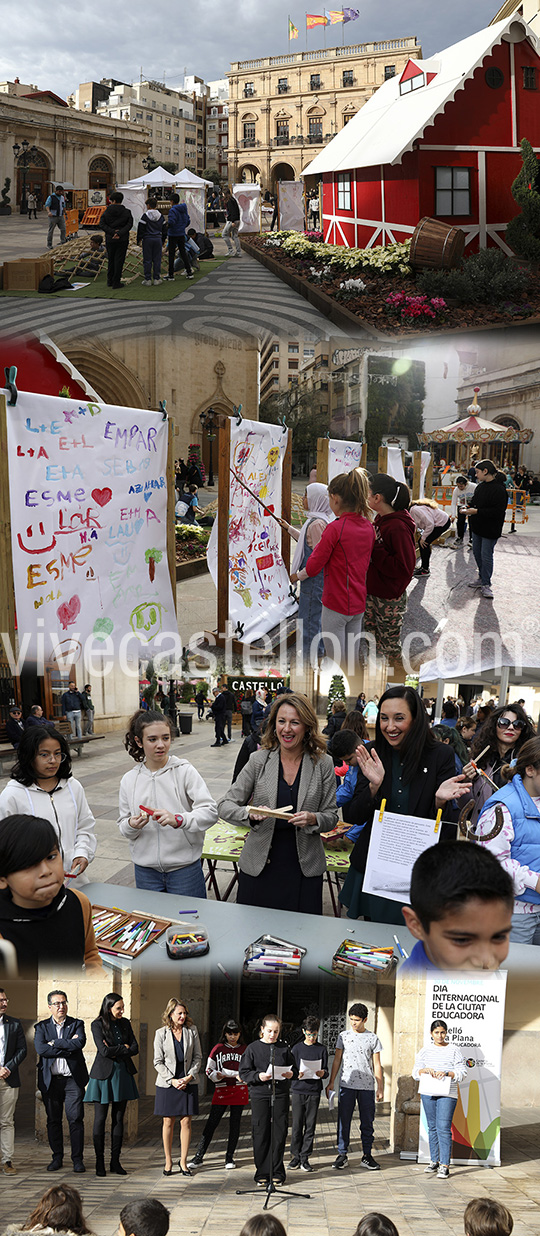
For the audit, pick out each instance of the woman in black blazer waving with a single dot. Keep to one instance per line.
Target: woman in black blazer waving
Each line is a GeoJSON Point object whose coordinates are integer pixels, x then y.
{"type": "Point", "coordinates": [415, 775]}
{"type": "Point", "coordinates": [111, 1078]}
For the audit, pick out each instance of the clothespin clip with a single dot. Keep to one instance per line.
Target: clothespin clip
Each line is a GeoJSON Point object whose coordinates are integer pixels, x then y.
{"type": "Point", "coordinates": [381, 812]}
{"type": "Point", "coordinates": [11, 374]}
{"type": "Point", "coordinates": [163, 408]}
{"type": "Point", "coordinates": [438, 821]}
{"type": "Point", "coordinates": [283, 425]}
{"type": "Point", "coordinates": [238, 413]}
{"type": "Point", "coordinates": [239, 630]}
{"type": "Point", "coordinates": [292, 592]}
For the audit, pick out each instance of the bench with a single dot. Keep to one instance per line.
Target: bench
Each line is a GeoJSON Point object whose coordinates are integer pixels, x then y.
{"type": "Point", "coordinates": [81, 742]}
{"type": "Point", "coordinates": [8, 755]}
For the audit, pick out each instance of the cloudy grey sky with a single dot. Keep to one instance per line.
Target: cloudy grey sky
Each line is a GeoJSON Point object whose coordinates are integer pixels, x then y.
{"type": "Point", "coordinates": [57, 46]}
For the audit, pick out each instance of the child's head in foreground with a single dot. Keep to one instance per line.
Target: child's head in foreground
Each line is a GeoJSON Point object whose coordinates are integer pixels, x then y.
{"type": "Point", "coordinates": [486, 1217]}
{"type": "Point", "coordinates": [375, 1224]}
{"type": "Point", "coordinates": [461, 903]}
{"type": "Point", "coordinates": [265, 1224]}
{"type": "Point", "coordinates": [144, 1216]}
{"type": "Point", "coordinates": [31, 861]}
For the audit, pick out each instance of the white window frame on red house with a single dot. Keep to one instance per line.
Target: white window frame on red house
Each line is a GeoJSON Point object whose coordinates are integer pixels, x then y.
{"type": "Point", "coordinates": [453, 190]}
{"type": "Point", "coordinates": [344, 191]}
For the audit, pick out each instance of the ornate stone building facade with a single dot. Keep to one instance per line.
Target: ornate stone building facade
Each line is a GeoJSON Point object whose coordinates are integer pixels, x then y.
{"type": "Point", "coordinates": [71, 147]}
{"type": "Point", "coordinates": [283, 109]}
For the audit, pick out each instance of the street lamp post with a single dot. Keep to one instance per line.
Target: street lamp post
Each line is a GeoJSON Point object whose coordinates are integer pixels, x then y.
{"type": "Point", "coordinates": [28, 153]}
{"type": "Point", "coordinates": [208, 424]}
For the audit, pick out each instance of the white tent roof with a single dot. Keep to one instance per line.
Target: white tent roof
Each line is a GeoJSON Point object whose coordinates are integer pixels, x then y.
{"type": "Point", "coordinates": [187, 178]}
{"type": "Point", "coordinates": [159, 177]}
{"type": "Point", "coordinates": [389, 123]}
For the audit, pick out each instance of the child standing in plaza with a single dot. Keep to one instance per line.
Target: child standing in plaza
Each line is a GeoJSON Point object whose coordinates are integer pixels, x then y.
{"type": "Point", "coordinates": [306, 1093]}
{"type": "Point", "coordinates": [358, 1055]}
{"type": "Point", "coordinates": [151, 232]}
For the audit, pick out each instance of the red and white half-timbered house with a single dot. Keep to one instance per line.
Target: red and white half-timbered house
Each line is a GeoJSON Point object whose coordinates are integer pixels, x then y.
{"type": "Point", "coordinates": [441, 140]}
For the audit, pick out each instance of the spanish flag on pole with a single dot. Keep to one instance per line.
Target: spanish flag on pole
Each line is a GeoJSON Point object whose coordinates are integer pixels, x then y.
{"type": "Point", "coordinates": [293, 31]}
{"type": "Point", "coordinates": [313, 19]}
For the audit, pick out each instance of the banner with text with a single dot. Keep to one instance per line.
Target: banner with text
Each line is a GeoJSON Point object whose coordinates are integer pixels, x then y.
{"type": "Point", "coordinates": [259, 588]}
{"type": "Point", "coordinates": [473, 1009]}
{"type": "Point", "coordinates": [88, 498]}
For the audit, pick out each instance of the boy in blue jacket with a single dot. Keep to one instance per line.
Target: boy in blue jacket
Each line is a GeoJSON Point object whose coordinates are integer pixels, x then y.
{"type": "Point", "coordinates": [177, 223]}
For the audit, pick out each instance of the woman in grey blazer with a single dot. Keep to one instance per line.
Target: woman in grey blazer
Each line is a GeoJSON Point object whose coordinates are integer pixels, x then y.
{"type": "Point", "coordinates": [177, 1060]}
{"type": "Point", "coordinates": [283, 861]}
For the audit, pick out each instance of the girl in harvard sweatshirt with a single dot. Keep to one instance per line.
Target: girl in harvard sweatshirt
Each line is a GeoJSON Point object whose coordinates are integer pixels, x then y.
{"type": "Point", "coordinates": [165, 809]}
{"type": "Point", "coordinates": [343, 553]}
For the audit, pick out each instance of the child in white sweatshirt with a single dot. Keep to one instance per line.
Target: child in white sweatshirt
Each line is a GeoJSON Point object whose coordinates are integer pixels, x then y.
{"type": "Point", "coordinates": [165, 809]}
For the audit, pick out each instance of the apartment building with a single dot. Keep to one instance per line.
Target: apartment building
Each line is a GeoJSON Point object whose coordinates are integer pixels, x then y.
{"type": "Point", "coordinates": [281, 364]}
{"type": "Point", "coordinates": [284, 109]}
{"type": "Point", "coordinates": [217, 127]}
{"type": "Point", "coordinates": [169, 116]}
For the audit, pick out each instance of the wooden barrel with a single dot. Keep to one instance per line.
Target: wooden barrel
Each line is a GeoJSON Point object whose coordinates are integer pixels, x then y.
{"type": "Point", "coordinates": [437, 245]}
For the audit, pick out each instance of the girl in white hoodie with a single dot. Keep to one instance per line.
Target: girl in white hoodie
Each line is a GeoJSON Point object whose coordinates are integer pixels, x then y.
{"type": "Point", "coordinates": [166, 837]}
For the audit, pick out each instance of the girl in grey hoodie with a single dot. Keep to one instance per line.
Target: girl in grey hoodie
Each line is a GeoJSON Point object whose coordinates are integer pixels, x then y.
{"type": "Point", "coordinates": [165, 809]}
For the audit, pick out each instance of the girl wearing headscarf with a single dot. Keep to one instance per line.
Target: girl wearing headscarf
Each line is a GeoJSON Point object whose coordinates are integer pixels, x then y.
{"type": "Point", "coordinates": [317, 506]}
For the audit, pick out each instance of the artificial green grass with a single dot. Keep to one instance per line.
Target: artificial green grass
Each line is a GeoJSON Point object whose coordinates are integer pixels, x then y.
{"type": "Point", "coordinates": [98, 290]}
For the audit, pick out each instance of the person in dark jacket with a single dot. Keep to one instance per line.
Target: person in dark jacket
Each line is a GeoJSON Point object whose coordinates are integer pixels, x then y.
{"type": "Point", "coordinates": [176, 230]}
{"type": "Point", "coordinates": [151, 233]}
{"type": "Point", "coordinates": [203, 242]}
{"type": "Point", "coordinates": [336, 718]}
{"type": "Point", "coordinates": [72, 709]}
{"type": "Point", "coordinates": [393, 559]}
{"type": "Point", "coordinates": [14, 726]}
{"type": "Point", "coordinates": [415, 775]}
{"type": "Point", "coordinates": [62, 1075]}
{"type": "Point", "coordinates": [486, 521]}
{"type": "Point", "coordinates": [230, 707]}
{"type": "Point", "coordinates": [256, 1072]}
{"type": "Point", "coordinates": [35, 717]}
{"type": "Point", "coordinates": [111, 1078]}
{"type": "Point", "coordinates": [12, 1053]}
{"type": "Point", "coordinates": [218, 709]}
{"type": "Point", "coordinates": [117, 222]}
{"type": "Point", "coordinates": [232, 227]}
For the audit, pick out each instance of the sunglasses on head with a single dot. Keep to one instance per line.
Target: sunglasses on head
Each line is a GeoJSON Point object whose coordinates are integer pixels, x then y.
{"type": "Point", "coordinates": [504, 723]}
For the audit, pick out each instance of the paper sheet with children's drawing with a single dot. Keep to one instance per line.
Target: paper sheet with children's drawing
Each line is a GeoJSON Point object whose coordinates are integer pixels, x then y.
{"type": "Point", "coordinates": [342, 457]}
{"type": "Point", "coordinates": [259, 588]}
{"type": "Point", "coordinates": [88, 502]}
{"type": "Point", "coordinates": [396, 841]}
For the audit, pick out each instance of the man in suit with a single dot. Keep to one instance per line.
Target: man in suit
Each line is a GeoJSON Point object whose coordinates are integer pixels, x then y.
{"type": "Point", "coordinates": [12, 1052]}
{"type": "Point", "coordinates": [62, 1077]}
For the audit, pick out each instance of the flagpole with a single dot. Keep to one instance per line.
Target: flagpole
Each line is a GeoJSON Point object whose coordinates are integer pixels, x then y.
{"type": "Point", "coordinates": [306, 31]}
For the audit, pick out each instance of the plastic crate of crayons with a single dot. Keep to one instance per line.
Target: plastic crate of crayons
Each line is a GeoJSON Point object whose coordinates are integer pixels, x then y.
{"type": "Point", "coordinates": [352, 957]}
{"type": "Point", "coordinates": [270, 955]}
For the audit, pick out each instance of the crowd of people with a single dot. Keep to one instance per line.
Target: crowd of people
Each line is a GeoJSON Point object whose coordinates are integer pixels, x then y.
{"type": "Point", "coordinates": [288, 787]}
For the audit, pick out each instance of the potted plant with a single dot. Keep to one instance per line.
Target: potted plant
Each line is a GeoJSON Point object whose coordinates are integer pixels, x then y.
{"type": "Point", "coordinates": [5, 207]}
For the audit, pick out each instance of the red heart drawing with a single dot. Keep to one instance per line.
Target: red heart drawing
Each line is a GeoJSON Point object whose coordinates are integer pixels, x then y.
{"type": "Point", "coordinates": [102, 496]}
{"type": "Point", "coordinates": [68, 612]}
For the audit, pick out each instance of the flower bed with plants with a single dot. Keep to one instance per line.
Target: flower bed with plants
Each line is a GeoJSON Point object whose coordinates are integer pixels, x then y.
{"type": "Point", "coordinates": [380, 287]}
{"type": "Point", "coordinates": [191, 542]}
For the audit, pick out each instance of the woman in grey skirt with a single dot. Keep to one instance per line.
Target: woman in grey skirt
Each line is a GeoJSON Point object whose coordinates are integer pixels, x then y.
{"type": "Point", "coordinates": [177, 1060]}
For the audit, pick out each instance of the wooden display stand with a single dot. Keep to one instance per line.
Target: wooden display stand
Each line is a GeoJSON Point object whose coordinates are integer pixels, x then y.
{"type": "Point", "coordinates": [224, 490]}
{"type": "Point", "coordinates": [428, 482]}
{"type": "Point", "coordinates": [322, 459]}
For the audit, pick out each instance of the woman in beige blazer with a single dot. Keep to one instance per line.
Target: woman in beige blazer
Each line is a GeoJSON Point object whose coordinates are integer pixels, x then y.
{"type": "Point", "coordinates": [177, 1060]}
{"type": "Point", "coordinates": [283, 861]}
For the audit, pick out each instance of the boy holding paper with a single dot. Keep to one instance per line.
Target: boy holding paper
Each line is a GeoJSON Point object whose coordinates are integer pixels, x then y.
{"type": "Point", "coordinates": [358, 1055]}
{"type": "Point", "coordinates": [311, 1060]}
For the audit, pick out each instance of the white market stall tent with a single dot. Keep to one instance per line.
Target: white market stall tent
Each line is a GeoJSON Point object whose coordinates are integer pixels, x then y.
{"type": "Point", "coordinates": [190, 188]}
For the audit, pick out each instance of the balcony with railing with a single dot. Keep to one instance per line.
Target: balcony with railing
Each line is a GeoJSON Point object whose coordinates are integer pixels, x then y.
{"type": "Point", "coordinates": [406, 44]}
